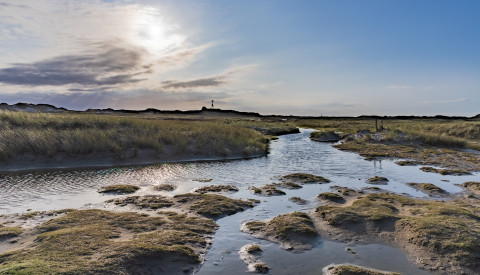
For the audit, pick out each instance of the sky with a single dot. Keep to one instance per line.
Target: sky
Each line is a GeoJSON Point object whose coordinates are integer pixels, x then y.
{"type": "Point", "coordinates": [330, 58]}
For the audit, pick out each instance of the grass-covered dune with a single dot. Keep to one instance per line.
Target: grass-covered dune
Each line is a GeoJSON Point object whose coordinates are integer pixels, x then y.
{"type": "Point", "coordinates": [65, 136]}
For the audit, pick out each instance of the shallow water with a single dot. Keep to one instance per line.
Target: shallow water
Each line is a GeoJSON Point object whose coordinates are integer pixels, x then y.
{"type": "Point", "coordinates": [58, 189]}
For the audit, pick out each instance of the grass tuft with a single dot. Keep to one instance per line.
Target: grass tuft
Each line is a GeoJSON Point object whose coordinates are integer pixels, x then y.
{"type": "Point", "coordinates": [119, 189]}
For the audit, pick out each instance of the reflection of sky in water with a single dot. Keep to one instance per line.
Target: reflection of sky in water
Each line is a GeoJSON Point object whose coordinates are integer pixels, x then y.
{"type": "Point", "coordinates": [291, 153]}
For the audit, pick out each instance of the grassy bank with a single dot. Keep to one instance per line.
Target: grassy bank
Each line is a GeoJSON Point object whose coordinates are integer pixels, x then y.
{"type": "Point", "coordinates": [433, 132]}
{"type": "Point", "coordinates": [48, 134]}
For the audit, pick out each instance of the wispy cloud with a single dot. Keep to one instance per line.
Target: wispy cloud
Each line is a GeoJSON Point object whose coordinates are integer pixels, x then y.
{"type": "Point", "coordinates": [208, 81]}
{"type": "Point", "coordinates": [106, 64]}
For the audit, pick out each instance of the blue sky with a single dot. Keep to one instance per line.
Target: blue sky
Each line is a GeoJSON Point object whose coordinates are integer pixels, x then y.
{"type": "Point", "coordinates": [274, 57]}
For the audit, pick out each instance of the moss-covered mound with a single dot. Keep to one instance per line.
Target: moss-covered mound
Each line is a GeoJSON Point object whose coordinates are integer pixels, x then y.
{"type": "Point", "coordinates": [287, 185]}
{"type": "Point", "coordinates": [473, 185]}
{"type": "Point", "coordinates": [428, 188]}
{"type": "Point", "coordinates": [329, 196]}
{"type": "Point", "coordinates": [148, 201]}
{"type": "Point", "coordinates": [102, 242]}
{"type": "Point", "coordinates": [10, 232]}
{"type": "Point", "coordinates": [253, 248]}
{"type": "Point", "coordinates": [449, 232]}
{"type": "Point", "coordinates": [305, 178]}
{"type": "Point", "coordinates": [267, 190]}
{"type": "Point", "coordinates": [293, 230]}
{"type": "Point", "coordinates": [377, 180]}
{"type": "Point", "coordinates": [213, 205]}
{"type": "Point", "coordinates": [407, 162]}
{"type": "Point", "coordinates": [453, 172]}
{"type": "Point", "coordinates": [119, 189]}
{"type": "Point", "coordinates": [354, 270]}
{"type": "Point", "coordinates": [165, 187]}
{"type": "Point", "coordinates": [216, 188]}
{"type": "Point", "coordinates": [298, 200]}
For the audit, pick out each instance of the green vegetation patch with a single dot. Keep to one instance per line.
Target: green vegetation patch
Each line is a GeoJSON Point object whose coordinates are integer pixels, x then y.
{"type": "Point", "coordinates": [428, 188]}
{"type": "Point", "coordinates": [119, 189]}
{"type": "Point", "coordinates": [97, 241]}
{"type": "Point", "coordinates": [253, 248]}
{"type": "Point", "coordinates": [453, 172]}
{"type": "Point", "coordinates": [377, 180]}
{"type": "Point", "coordinates": [285, 227]}
{"type": "Point", "coordinates": [329, 196]}
{"type": "Point", "coordinates": [475, 185]}
{"type": "Point", "coordinates": [213, 205]}
{"type": "Point", "coordinates": [355, 270]}
{"type": "Point", "coordinates": [345, 191]}
{"type": "Point", "coordinates": [165, 187]}
{"type": "Point", "coordinates": [261, 267]}
{"type": "Point", "coordinates": [77, 134]}
{"type": "Point", "coordinates": [449, 229]}
{"type": "Point", "coordinates": [216, 188]}
{"type": "Point", "coordinates": [148, 201]}
{"type": "Point", "coordinates": [305, 178]}
{"type": "Point", "coordinates": [287, 185]}
{"type": "Point", "coordinates": [10, 232]}
{"type": "Point", "coordinates": [267, 190]}
{"type": "Point", "coordinates": [407, 163]}
{"type": "Point", "coordinates": [298, 200]}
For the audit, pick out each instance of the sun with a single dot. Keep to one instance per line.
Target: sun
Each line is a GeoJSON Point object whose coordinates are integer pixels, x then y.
{"type": "Point", "coordinates": [151, 31]}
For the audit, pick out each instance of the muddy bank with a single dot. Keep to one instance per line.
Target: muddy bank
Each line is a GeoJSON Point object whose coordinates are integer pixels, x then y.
{"type": "Point", "coordinates": [28, 162]}
{"type": "Point", "coordinates": [443, 237]}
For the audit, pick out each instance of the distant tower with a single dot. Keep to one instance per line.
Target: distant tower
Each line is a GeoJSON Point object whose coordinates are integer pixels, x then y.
{"type": "Point", "coordinates": [212, 103]}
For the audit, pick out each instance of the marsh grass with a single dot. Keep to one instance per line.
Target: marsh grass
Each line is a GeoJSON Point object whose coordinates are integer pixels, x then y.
{"type": "Point", "coordinates": [253, 248]}
{"type": "Point", "coordinates": [119, 189]}
{"type": "Point", "coordinates": [90, 242]}
{"type": "Point", "coordinates": [213, 205]}
{"type": "Point", "coordinates": [451, 229]}
{"type": "Point", "coordinates": [428, 188]}
{"type": "Point", "coordinates": [355, 270]}
{"type": "Point", "coordinates": [433, 131]}
{"type": "Point", "coordinates": [267, 190]}
{"type": "Point", "coordinates": [286, 226]}
{"type": "Point", "coordinates": [10, 232]}
{"type": "Point", "coordinates": [165, 187]}
{"type": "Point", "coordinates": [444, 172]}
{"type": "Point", "coordinates": [305, 178]}
{"type": "Point", "coordinates": [216, 188]}
{"type": "Point", "coordinates": [47, 134]}
{"type": "Point", "coordinates": [329, 196]}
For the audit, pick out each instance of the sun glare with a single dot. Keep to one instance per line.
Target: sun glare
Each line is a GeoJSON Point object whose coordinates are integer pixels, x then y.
{"type": "Point", "coordinates": [151, 31]}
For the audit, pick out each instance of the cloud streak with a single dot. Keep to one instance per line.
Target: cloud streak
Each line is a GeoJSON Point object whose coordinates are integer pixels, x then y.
{"type": "Point", "coordinates": [112, 65]}
{"type": "Point", "coordinates": [208, 81]}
